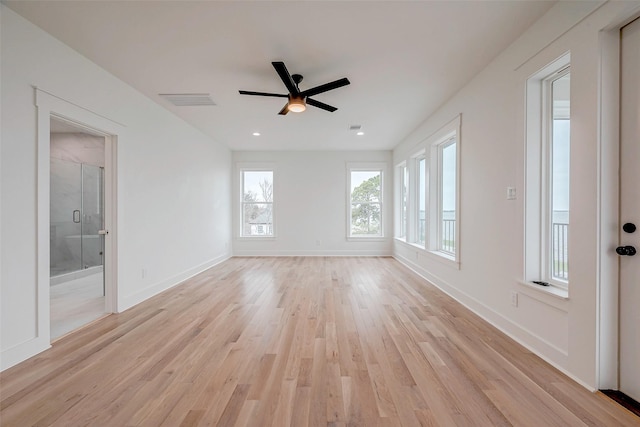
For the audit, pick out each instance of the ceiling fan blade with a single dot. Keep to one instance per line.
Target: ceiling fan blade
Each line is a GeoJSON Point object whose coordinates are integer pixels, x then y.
{"type": "Point", "coordinates": [325, 87]}
{"type": "Point", "coordinates": [284, 110]}
{"type": "Point", "coordinates": [322, 105]}
{"type": "Point", "coordinates": [248, 92]}
{"type": "Point", "coordinates": [282, 71]}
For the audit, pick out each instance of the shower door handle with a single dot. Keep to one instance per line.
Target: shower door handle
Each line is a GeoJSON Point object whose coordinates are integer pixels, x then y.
{"type": "Point", "coordinates": [76, 216]}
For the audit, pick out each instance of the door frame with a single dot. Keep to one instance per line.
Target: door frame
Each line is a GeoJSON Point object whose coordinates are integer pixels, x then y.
{"type": "Point", "coordinates": [608, 295]}
{"type": "Point", "coordinates": [49, 105]}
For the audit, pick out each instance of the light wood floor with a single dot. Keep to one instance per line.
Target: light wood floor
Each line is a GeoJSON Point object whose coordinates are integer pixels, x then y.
{"type": "Point", "coordinates": [297, 341]}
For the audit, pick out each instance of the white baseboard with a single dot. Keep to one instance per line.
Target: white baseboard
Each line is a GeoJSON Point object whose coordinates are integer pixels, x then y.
{"type": "Point", "coordinates": [131, 300]}
{"type": "Point", "coordinates": [23, 351]}
{"type": "Point", "coordinates": [323, 253]}
{"type": "Point", "coordinates": [538, 346]}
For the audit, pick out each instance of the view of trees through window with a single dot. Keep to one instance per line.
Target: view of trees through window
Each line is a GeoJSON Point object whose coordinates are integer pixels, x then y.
{"type": "Point", "coordinates": [366, 203]}
{"type": "Point", "coordinates": [257, 203]}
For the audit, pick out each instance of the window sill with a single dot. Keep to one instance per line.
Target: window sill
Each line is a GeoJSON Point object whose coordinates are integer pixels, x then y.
{"type": "Point", "coordinates": [553, 291]}
{"type": "Point", "coordinates": [414, 245]}
{"type": "Point", "coordinates": [366, 239]}
{"type": "Point", "coordinates": [432, 255]}
{"type": "Point", "coordinates": [256, 237]}
{"type": "Point", "coordinates": [445, 259]}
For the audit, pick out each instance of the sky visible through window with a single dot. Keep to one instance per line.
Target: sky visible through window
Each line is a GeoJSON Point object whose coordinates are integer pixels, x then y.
{"type": "Point", "coordinates": [560, 149]}
{"type": "Point", "coordinates": [561, 165]}
{"type": "Point", "coordinates": [449, 178]}
{"type": "Point", "coordinates": [252, 181]}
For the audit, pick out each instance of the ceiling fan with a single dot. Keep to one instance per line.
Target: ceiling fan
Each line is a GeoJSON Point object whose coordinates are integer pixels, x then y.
{"type": "Point", "coordinates": [297, 98]}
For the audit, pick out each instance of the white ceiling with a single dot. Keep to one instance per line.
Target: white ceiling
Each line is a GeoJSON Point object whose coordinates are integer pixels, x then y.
{"type": "Point", "coordinates": [404, 59]}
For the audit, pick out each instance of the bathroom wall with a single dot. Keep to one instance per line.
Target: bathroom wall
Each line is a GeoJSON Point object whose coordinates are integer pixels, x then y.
{"type": "Point", "coordinates": [76, 185]}
{"type": "Point", "coordinates": [78, 147]}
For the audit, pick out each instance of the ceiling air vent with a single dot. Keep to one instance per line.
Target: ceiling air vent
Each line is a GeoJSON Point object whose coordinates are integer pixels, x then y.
{"type": "Point", "coordinates": [355, 127]}
{"type": "Point", "coordinates": [188, 99]}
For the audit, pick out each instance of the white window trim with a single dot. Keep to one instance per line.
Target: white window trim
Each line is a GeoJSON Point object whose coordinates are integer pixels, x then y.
{"type": "Point", "coordinates": [429, 150]}
{"type": "Point", "coordinates": [366, 166]}
{"type": "Point", "coordinates": [415, 191]}
{"type": "Point", "coordinates": [537, 191]}
{"type": "Point", "coordinates": [437, 149]}
{"type": "Point", "coordinates": [402, 180]}
{"type": "Point", "coordinates": [436, 143]}
{"type": "Point", "coordinates": [254, 167]}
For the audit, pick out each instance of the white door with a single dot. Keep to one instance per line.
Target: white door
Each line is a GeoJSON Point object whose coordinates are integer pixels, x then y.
{"type": "Point", "coordinates": [630, 212]}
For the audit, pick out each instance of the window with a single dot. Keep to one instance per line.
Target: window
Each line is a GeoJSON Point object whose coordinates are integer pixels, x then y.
{"type": "Point", "coordinates": [433, 195]}
{"type": "Point", "coordinates": [547, 177]}
{"type": "Point", "coordinates": [443, 190]}
{"type": "Point", "coordinates": [558, 152]}
{"type": "Point", "coordinates": [256, 203]}
{"type": "Point", "coordinates": [421, 197]}
{"type": "Point", "coordinates": [447, 177]}
{"type": "Point", "coordinates": [365, 201]}
{"type": "Point", "coordinates": [403, 188]}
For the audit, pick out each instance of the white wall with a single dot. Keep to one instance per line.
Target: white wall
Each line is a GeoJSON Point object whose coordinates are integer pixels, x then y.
{"type": "Point", "coordinates": [563, 331]}
{"type": "Point", "coordinates": [174, 216]}
{"type": "Point", "coordinates": [310, 198]}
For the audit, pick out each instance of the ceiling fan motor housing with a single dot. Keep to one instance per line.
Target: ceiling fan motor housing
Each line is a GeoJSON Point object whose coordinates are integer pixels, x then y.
{"type": "Point", "coordinates": [298, 99]}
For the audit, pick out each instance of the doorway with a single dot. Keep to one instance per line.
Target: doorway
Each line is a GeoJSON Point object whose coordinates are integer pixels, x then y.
{"type": "Point", "coordinates": [629, 240]}
{"type": "Point", "coordinates": [77, 281]}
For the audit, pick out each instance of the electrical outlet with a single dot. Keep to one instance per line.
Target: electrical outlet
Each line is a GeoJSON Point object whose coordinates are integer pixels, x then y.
{"type": "Point", "coordinates": [514, 298]}
{"type": "Point", "coordinates": [318, 242]}
{"type": "Point", "coordinates": [511, 193]}
{"type": "Point", "coordinates": [143, 273]}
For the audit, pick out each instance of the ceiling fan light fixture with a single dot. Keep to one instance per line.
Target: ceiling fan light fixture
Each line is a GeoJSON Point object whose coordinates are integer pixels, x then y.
{"type": "Point", "coordinates": [297, 105]}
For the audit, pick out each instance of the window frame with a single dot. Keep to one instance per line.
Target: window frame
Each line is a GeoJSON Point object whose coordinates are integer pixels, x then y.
{"type": "Point", "coordinates": [415, 236]}
{"type": "Point", "coordinates": [437, 142]}
{"type": "Point", "coordinates": [430, 149]}
{"type": "Point", "coordinates": [253, 167]}
{"type": "Point", "coordinates": [447, 140]}
{"type": "Point", "coordinates": [548, 147]}
{"type": "Point", "coordinates": [538, 239]}
{"type": "Point", "coordinates": [402, 211]}
{"type": "Point", "coordinates": [365, 167]}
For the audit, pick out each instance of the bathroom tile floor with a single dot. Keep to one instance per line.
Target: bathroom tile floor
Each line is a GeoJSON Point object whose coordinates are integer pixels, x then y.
{"type": "Point", "coordinates": [76, 303]}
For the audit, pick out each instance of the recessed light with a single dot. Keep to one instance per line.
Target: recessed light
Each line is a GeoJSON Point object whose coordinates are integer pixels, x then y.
{"type": "Point", "coordinates": [360, 133]}
{"type": "Point", "coordinates": [256, 134]}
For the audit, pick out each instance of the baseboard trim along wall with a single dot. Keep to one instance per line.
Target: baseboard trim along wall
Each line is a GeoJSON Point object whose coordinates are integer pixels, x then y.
{"type": "Point", "coordinates": [540, 347]}
{"type": "Point", "coordinates": [284, 253]}
{"type": "Point", "coordinates": [23, 351]}
{"type": "Point", "coordinates": [130, 300]}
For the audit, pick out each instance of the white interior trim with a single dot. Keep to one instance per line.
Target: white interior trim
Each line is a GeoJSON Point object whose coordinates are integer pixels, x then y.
{"type": "Point", "coordinates": [50, 105]}
{"type": "Point", "coordinates": [607, 326]}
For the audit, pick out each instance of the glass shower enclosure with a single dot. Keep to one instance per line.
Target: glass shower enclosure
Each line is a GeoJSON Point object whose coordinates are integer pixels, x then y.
{"type": "Point", "coordinates": [77, 213]}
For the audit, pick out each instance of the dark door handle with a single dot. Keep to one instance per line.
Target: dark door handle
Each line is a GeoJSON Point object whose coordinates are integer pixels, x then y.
{"type": "Point", "coordinates": [626, 250]}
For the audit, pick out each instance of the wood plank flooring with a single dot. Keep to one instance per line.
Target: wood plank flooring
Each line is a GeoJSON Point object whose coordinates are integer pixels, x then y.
{"type": "Point", "coordinates": [297, 342]}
